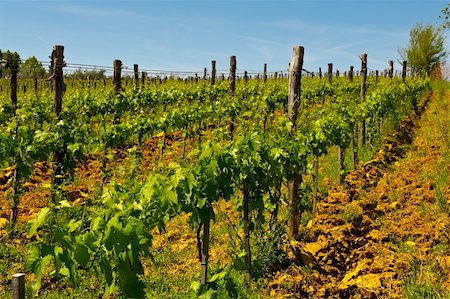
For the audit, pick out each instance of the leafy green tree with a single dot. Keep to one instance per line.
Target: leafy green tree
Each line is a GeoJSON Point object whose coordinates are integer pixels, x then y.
{"type": "Point", "coordinates": [446, 16]}
{"type": "Point", "coordinates": [84, 74]}
{"type": "Point", "coordinates": [425, 48]}
{"type": "Point", "coordinates": [11, 61]}
{"type": "Point", "coordinates": [32, 68]}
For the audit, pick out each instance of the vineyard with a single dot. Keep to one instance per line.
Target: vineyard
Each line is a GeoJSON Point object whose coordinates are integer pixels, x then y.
{"type": "Point", "coordinates": [266, 187]}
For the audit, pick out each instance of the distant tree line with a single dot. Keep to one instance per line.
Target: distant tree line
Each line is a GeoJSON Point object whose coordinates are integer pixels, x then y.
{"type": "Point", "coordinates": [32, 68]}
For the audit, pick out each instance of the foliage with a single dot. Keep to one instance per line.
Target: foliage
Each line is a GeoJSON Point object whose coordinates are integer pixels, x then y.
{"type": "Point", "coordinates": [32, 68]}
{"type": "Point", "coordinates": [110, 232]}
{"type": "Point", "coordinates": [228, 282]}
{"type": "Point", "coordinates": [426, 47]}
{"type": "Point", "coordinates": [12, 59]}
{"type": "Point", "coordinates": [445, 17]}
{"type": "Point", "coordinates": [269, 255]}
{"type": "Point", "coordinates": [87, 74]}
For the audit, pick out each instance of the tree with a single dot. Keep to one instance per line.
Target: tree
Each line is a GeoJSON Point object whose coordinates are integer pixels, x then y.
{"type": "Point", "coordinates": [32, 68]}
{"type": "Point", "coordinates": [425, 49]}
{"type": "Point", "coordinates": [446, 16]}
{"type": "Point", "coordinates": [91, 74]}
{"type": "Point", "coordinates": [11, 61]}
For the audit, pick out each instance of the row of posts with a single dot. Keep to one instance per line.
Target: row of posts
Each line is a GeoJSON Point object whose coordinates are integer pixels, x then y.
{"type": "Point", "coordinates": [389, 72]}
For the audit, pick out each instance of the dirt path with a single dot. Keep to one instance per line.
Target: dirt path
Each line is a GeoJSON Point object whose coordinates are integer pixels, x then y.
{"type": "Point", "coordinates": [384, 235]}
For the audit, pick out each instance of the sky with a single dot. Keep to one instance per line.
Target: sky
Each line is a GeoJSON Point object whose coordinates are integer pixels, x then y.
{"type": "Point", "coordinates": [187, 35]}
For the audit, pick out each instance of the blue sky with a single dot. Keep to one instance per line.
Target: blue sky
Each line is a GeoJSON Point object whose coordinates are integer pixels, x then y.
{"type": "Point", "coordinates": [187, 35]}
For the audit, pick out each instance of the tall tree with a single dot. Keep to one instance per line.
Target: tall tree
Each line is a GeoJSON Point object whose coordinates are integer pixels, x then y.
{"type": "Point", "coordinates": [32, 68]}
{"type": "Point", "coordinates": [11, 60]}
{"type": "Point", "coordinates": [446, 16]}
{"type": "Point", "coordinates": [425, 48]}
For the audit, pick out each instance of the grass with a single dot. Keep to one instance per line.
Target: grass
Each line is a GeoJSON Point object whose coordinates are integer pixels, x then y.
{"type": "Point", "coordinates": [425, 281]}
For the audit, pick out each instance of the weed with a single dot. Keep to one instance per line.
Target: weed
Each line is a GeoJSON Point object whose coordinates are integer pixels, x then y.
{"type": "Point", "coordinates": [425, 281]}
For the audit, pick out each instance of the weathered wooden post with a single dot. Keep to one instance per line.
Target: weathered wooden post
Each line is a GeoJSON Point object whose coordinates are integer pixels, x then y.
{"type": "Point", "coordinates": [330, 72]}
{"type": "Point", "coordinates": [337, 74]}
{"type": "Point", "coordinates": [377, 73]}
{"type": "Point", "coordinates": [350, 73]}
{"type": "Point", "coordinates": [18, 286]}
{"type": "Point", "coordinates": [117, 76]}
{"type": "Point", "coordinates": [245, 76]}
{"type": "Point", "coordinates": [320, 72]}
{"type": "Point", "coordinates": [390, 68]}
{"type": "Point", "coordinates": [362, 125]}
{"type": "Point", "coordinates": [58, 82]}
{"type": "Point", "coordinates": [204, 249]}
{"type": "Point", "coordinates": [205, 71]}
{"type": "Point", "coordinates": [404, 70]}
{"type": "Point", "coordinates": [213, 72]}
{"type": "Point", "coordinates": [14, 70]}
{"type": "Point", "coordinates": [275, 76]}
{"type": "Point", "coordinates": [232, 78]}
{"type": "Point", "coordinates": [265, 72]}
{"type": "Point", "coordinates": [143, 77]}
{"type": "Point", "coordinates": [295, 76]}
{"type": "Point", "coordinates": [58, 79]}
{"type": "Point", "coordinates": [136, 74]}
{"type": "Point", "coordinates": [231, 90]}
{"type": "Point", "coordinates": [117, 82]}
{"type": "Point", "coordinates": [1, 70]}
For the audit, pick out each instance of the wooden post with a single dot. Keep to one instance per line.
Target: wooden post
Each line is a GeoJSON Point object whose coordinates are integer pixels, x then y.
{"type": "Point", "coordinates": [204, 73]}
{"type": "Point", "coordinates": [143, 77]}
{"type": "Point", "coordinates": [320, 72]}
{"type": "Point", "coordinates": [58, 61]}
{"type": "Point", "coordinates": [404, 70]}
{"type": "Point", "coordinates": [1, 70]}
{"type": "Point", "coordinates": [350, 73]}
{"type": "Point", "coordinates": [275, 76]}
{"type": "Point", "coordinates": [330, 72]}
{"type": "Point", "coordinates": [58, 83]}
{"type": "Point", "coordinates": [231, 90]}
{"type": "Point", "coordinates": [205, 251]}
{"type": "Point", "coordinates": [390, 68]}
{"type": "Point", "coordinates": [136, 74]}
{"type": "Point", "coordinates": [337, 73]}
{"type": "Point", "coordinates": [213, 72]}
{"type": "Point", "coordinates": [246, 221]}
{"type": "Point", "coordinates": [362, 127]}
{"type": "Point", "coordinates": [295, 76]}
{"type": "Point", "coordinates": [245, 76]}
{"type": "Point", "coordinates": [232, 85]}
{"type": "Point", "coordinates": [377, 73]}
{"type": "Point", "coordinates": [18, 286]}
{"type": "Point", "coordinates": [14, 71]}
{"type": "Point", "coordinates": [117, 76]}
{"type": "Point", "coordinates": [265, 72]}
